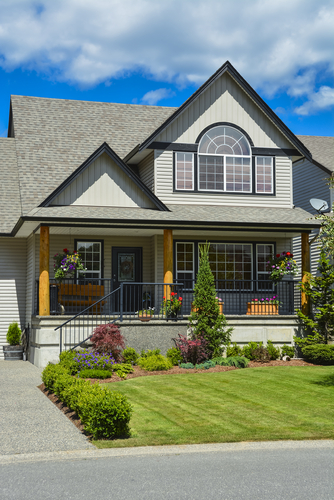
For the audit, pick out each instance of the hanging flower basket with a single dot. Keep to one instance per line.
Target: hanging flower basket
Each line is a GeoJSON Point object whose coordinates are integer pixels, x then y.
{"type": "Point", "coordinates": [281, 265]}
{"type": "Point", "coordinates": [66, 265]}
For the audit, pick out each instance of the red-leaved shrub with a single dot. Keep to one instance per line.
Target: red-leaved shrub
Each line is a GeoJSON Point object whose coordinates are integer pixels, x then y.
{"type": "Point", "coordinates": [192, 350]}
{"type": "Point", "coordinates": [107, 339]}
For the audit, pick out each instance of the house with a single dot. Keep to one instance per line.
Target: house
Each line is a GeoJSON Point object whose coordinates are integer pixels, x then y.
{"type": "Point", "coordinates": [310, 180]}
{"type": "Point", "coordinates": [135, 189]}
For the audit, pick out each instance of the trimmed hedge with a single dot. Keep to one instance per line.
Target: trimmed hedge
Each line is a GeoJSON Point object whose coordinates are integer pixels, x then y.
{"type": "Point", "coordinates": [104, 413]}
{"type": "Point", "coordinates": [321, 354]}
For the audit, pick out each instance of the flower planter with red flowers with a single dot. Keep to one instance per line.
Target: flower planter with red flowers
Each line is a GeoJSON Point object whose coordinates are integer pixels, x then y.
{"type": "Point", "coordinates": [171, 307]}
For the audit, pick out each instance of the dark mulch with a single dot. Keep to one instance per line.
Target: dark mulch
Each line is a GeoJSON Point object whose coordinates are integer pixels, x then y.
{"type": "Point", "coordinates": [139, 372]}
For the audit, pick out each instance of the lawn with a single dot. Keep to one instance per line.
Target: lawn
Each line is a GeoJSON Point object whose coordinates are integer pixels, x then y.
{"type": "Point", "coordinates": [253, 404]}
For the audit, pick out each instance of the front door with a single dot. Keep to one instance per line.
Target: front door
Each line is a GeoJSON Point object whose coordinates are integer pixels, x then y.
{"type": "Point", "coordinates": [127, 268]}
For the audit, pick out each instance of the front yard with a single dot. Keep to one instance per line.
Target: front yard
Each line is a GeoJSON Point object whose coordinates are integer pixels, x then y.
{"type": "Point", "coordinates": [253, 404]}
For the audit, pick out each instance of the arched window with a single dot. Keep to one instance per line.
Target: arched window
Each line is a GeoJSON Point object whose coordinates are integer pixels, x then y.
{"type": "Point", "coordinates": [224, 161]}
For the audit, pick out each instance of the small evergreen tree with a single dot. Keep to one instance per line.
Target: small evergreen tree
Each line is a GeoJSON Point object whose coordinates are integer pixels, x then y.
{"type": "Point", "coordinates": [206, 321]}
{"type": "Point", "coordinates": [321, 291]}
{"type": "Point", "coordinates": [14, 334]}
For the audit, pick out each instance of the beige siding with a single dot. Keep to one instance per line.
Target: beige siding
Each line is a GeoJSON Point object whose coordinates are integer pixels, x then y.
{"type": "Point", "coordinates": [309, 181]}
{"type": "Point", "coordinates": [103, 183]}
{"type": "Point", "coordinates": [224, 101]}
{"type": "Point", "coordinates": [13, 267]}
{"type": "Point", "coordinates": [146, 171]}
{"type": "Point", "coordinates": [30, 283]}
{"type": "Point", "coordinates": [164, 187]}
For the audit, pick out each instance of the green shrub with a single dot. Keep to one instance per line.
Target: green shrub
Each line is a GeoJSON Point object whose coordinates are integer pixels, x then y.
{"type": "Point", "coordinates": [148, 353]}
{"type": "Point", "coordinates": [122, 369]}
{"type": "Point", "coordinates": [105, 414]}
{"type": "Point", "coordinates": [174, 354]}
{"type": "Point", "coordinates": [61, 383]}
{"type": "Point", "coordinates": [274, 352]}
{"type": "Point", "coordinates": [67, 360]}
{"type": "Point", "coordinates": [95, 373]}
{"type": "Point", "coordinates": [72, 392]}
{"type": "Point", "coordinates": [238, 361]}
{"type": "Point", "coordinates": [14, 334]}
{"type": "Point", "coordinates": [261, 354]}
{"type": "Point", "coordinates": [233, 350]}
{"type": "Point", "coordinates": [187, 366]}
{"type": "Point", "coordinates": [309, 340]}
{"type": "Point", "coordinates": [287, 350]}
{"type": "Point", "coordinates": [247, 350]}
{"type": "Point", "coordinates": [51, 373]}
{"type": "Point", "coordinates": [322, 354]}
{"type": "Point", "coordinates": [130, 355]}
{"type": "Point", "coordinates": [206, 365]}
{"type": "Point", "coordinates": [155, 362]}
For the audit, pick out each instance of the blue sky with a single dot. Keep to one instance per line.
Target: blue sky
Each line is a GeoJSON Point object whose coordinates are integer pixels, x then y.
{"type": "Point", "coordinates": [148, 52]}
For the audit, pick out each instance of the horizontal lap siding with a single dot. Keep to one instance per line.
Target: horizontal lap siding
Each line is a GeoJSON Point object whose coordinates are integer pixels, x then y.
{"type": "Point", "coordinates": [164, 187]}
{"type": "Point", "coordinates": [12, 285]}
{"type": "Point", "coordinates": [309, 182]}
{"type": "Point", "coordinates": [30, 288]}
{"type": "Point", "coordinates": [146, 171]}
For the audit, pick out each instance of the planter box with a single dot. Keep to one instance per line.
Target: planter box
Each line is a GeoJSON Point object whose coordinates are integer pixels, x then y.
{"type": "Point", "coordinates": [221, 305]}
{"type": "Point", "coordinates": [262, 309]}
{"type": "Point", "coordinates": [13, 352]}
{"type": "Point", "coordinates": [145, 317]}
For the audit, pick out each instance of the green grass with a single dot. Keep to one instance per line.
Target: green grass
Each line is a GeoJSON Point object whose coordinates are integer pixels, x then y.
{"type": "Point", "coordinates": [254, 404]}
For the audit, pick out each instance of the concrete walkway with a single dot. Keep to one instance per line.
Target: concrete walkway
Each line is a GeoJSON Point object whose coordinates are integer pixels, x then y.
{"type": "Point", "coordinates": [29, 421]}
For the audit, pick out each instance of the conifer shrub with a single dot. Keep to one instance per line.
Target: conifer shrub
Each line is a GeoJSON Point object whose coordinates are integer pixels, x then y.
{"type": "Point", "coordinates": [149, 352]}
{"type": "Point", "coordinates": [107, 339]}
{"type": "Point", "coordinates": [206, 320]}
{"type": "Point", "coordinates": [322, 354]}
{"type": "Point", "coordinates": [14, 333]}
{"type": "Point", "coordinates": [156, 362]}
{"type": "Point", "coordinates": [174, 354]}
{"type": "Point", "coordinates": [130, 355]}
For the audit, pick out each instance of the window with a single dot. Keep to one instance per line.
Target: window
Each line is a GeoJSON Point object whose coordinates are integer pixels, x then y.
{"type": "Point", "coordinates": [91, 252]}
{"type": "Point", "coordinates": [185, 263]}
{"type": "Point", "coordinates": [230, 263]}
{"type": "Point", "coordinates": [264, 174]}
{"type": "Point", "coordinates": [264, 253]}
{"type": "Point", "coordinates": [184, 171]}
{"type": "Point", "coordinates": [224, 161]}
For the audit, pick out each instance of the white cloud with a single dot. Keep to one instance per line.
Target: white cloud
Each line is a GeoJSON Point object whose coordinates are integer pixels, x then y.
{"type": "Point", "coordinates": [277, 45]}
{"type": "Point", "coordinates": [154, 96]}
{"type": "Point", "coordinates": [318, 101]}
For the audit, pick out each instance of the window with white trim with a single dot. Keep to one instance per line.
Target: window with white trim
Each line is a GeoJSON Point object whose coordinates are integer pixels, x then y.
{"type": "Point", "coordinates": [185, 271]}
{"type": "Point", "coordinates": [184, 171]}
{"type": "Point", "coordinates": [264, 171]}
{"type": "Point", "coordinates": [91, 256]}
{"type": "Point", "coordinates": [264, 252]}
{"type": "Point", "coordinates": [224, 161]}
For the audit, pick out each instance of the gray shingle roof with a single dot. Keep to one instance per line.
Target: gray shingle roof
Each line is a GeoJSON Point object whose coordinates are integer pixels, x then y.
{"type": "Point", "coordinates": [183, 214]}
{"type": "Point", "coordinates": [54, 137]}
{"type": "Point", "coordinates": [322, 149]}
{"type": "Point", "coordinates": [10, 204]}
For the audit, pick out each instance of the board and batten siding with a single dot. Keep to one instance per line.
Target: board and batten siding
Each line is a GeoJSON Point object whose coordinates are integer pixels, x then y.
{"type": "Point", "coordinates": [13, 266]}
{"type": "Point", "coordinates": [309, 181]}
{"type": "Point", "coordinates": [146, 170]}
{"type": "Point", "coordinates": [224, 101]}
{"type": "Point", "coordinates": [164, 187]}
{"type": "Point", "coordinates": [103, 183]}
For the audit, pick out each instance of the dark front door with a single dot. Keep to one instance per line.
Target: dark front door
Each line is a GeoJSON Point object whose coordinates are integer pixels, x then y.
{"type": "Point", "coordinates": [127, 268]}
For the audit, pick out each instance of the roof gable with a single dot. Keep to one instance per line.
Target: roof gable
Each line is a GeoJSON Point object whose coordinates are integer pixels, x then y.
{"type": "Point", "coordinates": [195, 106]}
{"type": "Point", "coordinates": [104, 180]}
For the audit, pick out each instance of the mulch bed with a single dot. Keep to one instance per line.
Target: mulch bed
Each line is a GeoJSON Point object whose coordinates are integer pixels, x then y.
{"type": "Point", "coordinates": [139, 372]}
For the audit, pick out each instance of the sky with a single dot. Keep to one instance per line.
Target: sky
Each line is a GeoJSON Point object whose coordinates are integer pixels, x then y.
{"type": "Point", "coordinates": [159, 52]}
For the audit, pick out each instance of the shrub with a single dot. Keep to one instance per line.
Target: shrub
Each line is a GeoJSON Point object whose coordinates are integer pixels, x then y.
{"type": "Point", "coordinates": [105, 414]}
{"type": "Point", "coordinates": [233, 350]}
{"type": "Point", "coordinates": [322, 354]}
{"type": "Point", "coordinates": [122, 369]}
{"type": "Point", "coordinates": [247, 350]}
{"type": "Point", "coordinates": [107, 339]}
{"type": "Point", "coordinates": [148, 353]}
{"type": "Point", "coordinates": [309, 340]}
{"type": "Point", "coordinates": [206, 365]}
{"type": "Point", "coordinates": [67, 360]}
{"type": "Point", "coordinates": [237, 361]}
{"type": "Point", "coordinates": [274, 352]}
{"type": "Point", "coordinates": [130, 355]}
{"type": "Point", "coordinates": [155, 362]}
{"type": "Point", "coordinates": [287, 350]}
{"type": "Point", "coordinates": [206, 321]}
{"type": "Point", "coordinates": [95, 373]}
{"type": "Point", "coordinates": [61, 383]}
{"type": "Point", "coordinates": [14, 334]}
{"type": "Point", "coordinates": [174, 354]}
{"type": "Point", "coordinates": [93, 360]}
{"type": "Point", "coordinates": [51, 373]}
{"type": "Point", "coordinates": [261, 354]}
{"type": "Point", "coordinates": [187, 366]}
{"type": "Point", "coordinates": [72, 391]}
{"type": "Point", "coordinates": [192, 350]}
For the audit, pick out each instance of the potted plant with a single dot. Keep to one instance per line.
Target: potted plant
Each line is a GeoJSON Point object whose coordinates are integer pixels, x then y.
{"type": "Point", "coordinates": [66, 264]}
{"type": "Point", "coordinates": [146, 314]}
{"type": "Point", "coordinates": [267, 305]}
{"type": "Point", "coordinates": [171, 307]}
{"type": "Point", "coordinates": [281, 265]}
{"type": "Point", "coordinates": [13, 351]}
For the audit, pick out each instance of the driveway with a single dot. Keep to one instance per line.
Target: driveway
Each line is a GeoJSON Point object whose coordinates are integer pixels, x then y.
{"type": "Point", "coordinates": [29, 421]}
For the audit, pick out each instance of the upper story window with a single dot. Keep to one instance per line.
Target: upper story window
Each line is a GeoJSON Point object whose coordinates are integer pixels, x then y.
{"type": "Point", "coordinates": [224, 161]}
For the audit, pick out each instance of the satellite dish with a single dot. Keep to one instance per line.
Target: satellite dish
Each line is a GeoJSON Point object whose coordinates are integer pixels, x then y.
{"type": "Point", "coordinates": [320, 206]}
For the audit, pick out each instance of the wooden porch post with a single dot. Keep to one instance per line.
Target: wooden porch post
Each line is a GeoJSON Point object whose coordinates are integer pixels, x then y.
{"type": "Point", "coordinates": [168, 260]}
{"type": "Point", "coordinates": [44, 283]}
{"type": "Point", "coordinates": [305, 269]}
